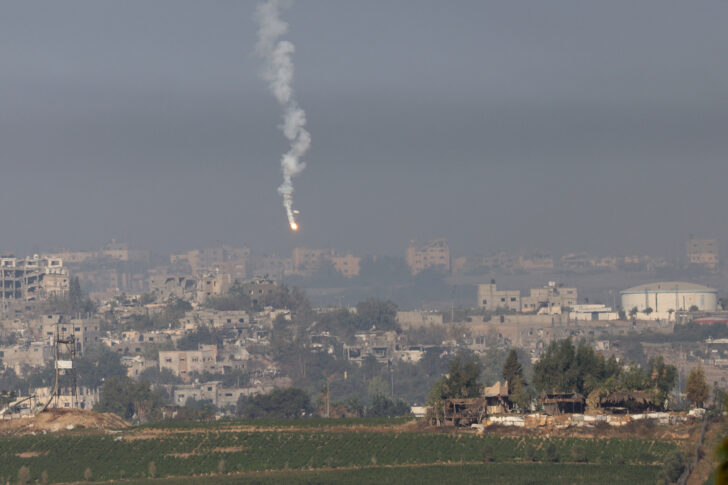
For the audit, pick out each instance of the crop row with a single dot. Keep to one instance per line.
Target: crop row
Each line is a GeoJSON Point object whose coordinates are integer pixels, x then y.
{"type": "Point", "coordinates": [307, 423]}
{"type": "Point", "coordinates": [66, 457]}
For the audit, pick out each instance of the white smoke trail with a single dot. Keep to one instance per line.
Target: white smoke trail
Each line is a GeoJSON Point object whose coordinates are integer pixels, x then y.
{"type": "Point", "coordinates": [278, 73]}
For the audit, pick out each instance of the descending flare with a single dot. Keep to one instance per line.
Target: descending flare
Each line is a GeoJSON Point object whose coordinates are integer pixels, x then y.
{"type": "Point", "coordinates": [278, 72]}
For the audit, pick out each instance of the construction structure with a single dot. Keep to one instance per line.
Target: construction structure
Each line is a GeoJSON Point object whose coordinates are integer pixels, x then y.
{"type": "Point", "coordinates": [31, 278]}
{"type": "Point", "coordinates": [65, 392]}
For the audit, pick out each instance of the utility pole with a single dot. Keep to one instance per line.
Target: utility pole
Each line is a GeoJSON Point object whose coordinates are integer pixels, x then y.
{"type": "Point", "coordinates": [391, 375]}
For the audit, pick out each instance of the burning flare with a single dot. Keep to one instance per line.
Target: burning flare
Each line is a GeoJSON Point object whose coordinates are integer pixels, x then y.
{"type": "Point", "coordinates": [278, 72]}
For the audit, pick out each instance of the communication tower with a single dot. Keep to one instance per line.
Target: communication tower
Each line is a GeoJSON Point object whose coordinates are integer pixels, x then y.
{"type": "Point", "coordinates": [64, 393]}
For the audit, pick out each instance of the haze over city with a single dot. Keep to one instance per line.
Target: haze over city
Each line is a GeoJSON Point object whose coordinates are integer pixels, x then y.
{"type": "Point", "coordinates": [560, 126]}
{"type": "Point", "coordinates": [298, 241]}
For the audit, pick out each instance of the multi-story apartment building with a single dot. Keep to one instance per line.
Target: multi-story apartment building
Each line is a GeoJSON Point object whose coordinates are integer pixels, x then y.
{"type": "Point", "coordinates": [433, 254]}
{"type": "Point", "coordinates": [208, 258]}
{"type": "Point", "coordinates": [212, 284]}
{"type": "Point", "coordinates": [184, 362]}
{"type": "Point", "coordinates": [380, 345]}
{"type": "Point", "coordinates": [547, 299]}
{"type": "Point", "coordinates": [84, 398]}
{"type": "Point", "coordinates": [215, 318]}
{"type": "Point", "coordinates": [33, 354]}
{"type": "Point", "coordinates": [166, 286]}
{"type": "Point", "coordinates": [492, 299]}
{"type": "Point", "coordinates": [273, 267]}
{"type": "Point", "coordinates": [703, 252]}
{"type": "Point", "coordinates": [137, 364]}
{"type": "Point", "coordinates": [32, 278]}
{"type": "Point", "coordinates": [221, 396]}
{"type": "Point", "coordinates": [536, 261]}
{"type": "Point", "coordinates": [347, 265]}
{"type": "Point", "coordinates": [307, 261]}
{"type": "Point", "coordinates": [122, 251]}
{"type": "Point", "coordinates": [85, 331]}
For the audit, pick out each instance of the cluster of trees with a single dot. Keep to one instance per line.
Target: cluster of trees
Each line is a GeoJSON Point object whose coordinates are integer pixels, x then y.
{"type": "Point", "coordinates": [130, 399]}
{"type": "Point", "coordinates": [280, 403]}
{"type": "Point", "coordinates": [565, 367]}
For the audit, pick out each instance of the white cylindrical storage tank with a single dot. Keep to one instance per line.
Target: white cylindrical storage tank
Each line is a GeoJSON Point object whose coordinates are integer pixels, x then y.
{"type": "Point", "coordinates": [664, 298]}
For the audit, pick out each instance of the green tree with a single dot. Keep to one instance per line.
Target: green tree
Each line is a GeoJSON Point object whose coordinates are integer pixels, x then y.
{"type": "Point", "coordinates": [568, 368]}
{"type": "Point", "coordinates": [129, 399]}
{"type": "Point", "coordinates": [378, 387]}
{"type": "Point", "coordinates": [75, 295]}
{"type": "Point", "coordinates": [517, 385]}
{"type": "Point", "coordinates": [696, 388]}
{"type": "Point", "coordinates": [663, 377]}
{"type": "Point", "coordinates": [196, 410]}
{"type": "Point", "coordinates": [461, 381]}
{"type": "Point", "coordinates": [463, 376]}
{"type": "Point", "coordinates": [98, 364]}
{"type": "Point", "coordinates": [381, 314]}
{"type": "Point", "coordinates": [353, 406]}
{"type": "Point", "coordinates": [512, 368]}
{"type": "Point", "coordinates": [383, 407]}
{"type": "Point", "coordinates": [280, 403]}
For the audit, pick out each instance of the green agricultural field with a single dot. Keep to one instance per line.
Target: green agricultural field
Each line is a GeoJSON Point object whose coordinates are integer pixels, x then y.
{"type": "Point", "coordinates": [360, 454]}
{"type": "Point", "coordinates": [494, 473]}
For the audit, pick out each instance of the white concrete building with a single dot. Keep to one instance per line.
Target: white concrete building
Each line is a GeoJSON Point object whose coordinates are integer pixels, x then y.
{"type": "Point", "coordinates": [660, 301]}
{"type": "Point", "coordinates": [592, 312]}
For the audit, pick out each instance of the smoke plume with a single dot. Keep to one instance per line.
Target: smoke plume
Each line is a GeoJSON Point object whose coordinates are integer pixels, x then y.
{"type": "Point", "coordinates": [278, 72]}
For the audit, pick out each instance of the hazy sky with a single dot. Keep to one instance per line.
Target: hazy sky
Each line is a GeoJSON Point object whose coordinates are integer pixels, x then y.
{"type": "Point", "coordinates": [562, 125]}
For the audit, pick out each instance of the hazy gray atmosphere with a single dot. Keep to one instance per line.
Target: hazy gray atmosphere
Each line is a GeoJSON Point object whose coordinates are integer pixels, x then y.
{"type": "Point", "coordinates": [558, 125]}
{"type": "Point", "coordinates": [329, 241]}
